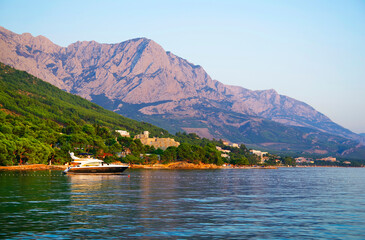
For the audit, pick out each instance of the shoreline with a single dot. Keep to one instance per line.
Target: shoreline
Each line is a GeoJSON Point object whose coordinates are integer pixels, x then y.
{"type": "Point", "coordinates": [170, 166]}
{"type": "Point", "coordinates": [186, 165]}
{"type": "Point", "coordinates": [33, 167]}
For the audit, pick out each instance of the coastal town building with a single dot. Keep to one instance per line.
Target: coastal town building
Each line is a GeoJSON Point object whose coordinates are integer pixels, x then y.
{"type": "Point", "coordinates": [225, 143]}
{"type": "Point", "coordinates": [224, 152]}
{"type": "Point", "coordinates": [235, 145]}
{"type": "Point", "coordinates": [328, 159]}
{"type": "Point", "coordinates": [123, 133]}
{"type": "Point", "coordinates": [259, 153]}
{"type": "Point", "coordinates": [302, 160]}
{"type": "Point", "coordinates": [162, 143]}
{"type": "Point", "coordinates": [225, 155]}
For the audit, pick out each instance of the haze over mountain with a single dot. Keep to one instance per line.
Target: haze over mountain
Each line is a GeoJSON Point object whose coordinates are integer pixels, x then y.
{"type": "Point", "coordinates": [139, 79]}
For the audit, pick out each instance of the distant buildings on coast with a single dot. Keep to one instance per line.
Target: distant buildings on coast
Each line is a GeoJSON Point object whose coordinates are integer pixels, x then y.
{"type": "Point", "coordinates": [328, 159]}
{"type": "Point", "coordinates": [310, 160]}
{"type": "Point", "coordinates": [304, 160]}
{"type": "Point", "coordinates": [224, 152]}
{"type": "Point", "coordinates": [260, 154]}
{"type": "Point", "coordinates": [123, 133]}
{"type": "Point", "coordinates": [162, 143]}
{"type": "Point", "coordinates": [226, 143]}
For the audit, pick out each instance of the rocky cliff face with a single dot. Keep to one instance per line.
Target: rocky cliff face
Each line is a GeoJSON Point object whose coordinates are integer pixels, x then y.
{"type": "Point", "coordinates": [139, 79]}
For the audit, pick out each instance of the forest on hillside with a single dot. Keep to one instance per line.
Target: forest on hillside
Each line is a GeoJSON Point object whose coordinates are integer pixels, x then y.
{"type": "Point", "coordinates": [41, 124]}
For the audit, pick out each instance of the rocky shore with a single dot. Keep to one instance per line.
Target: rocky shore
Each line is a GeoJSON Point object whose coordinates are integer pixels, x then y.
{"type": "Point", "coordinates": [177, 165]}
{"type": "Point", "coordinates": [33, 167]}
{"type": "Point", "coordinates": [186, 165]}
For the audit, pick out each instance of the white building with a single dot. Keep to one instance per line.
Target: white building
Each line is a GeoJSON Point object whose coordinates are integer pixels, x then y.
{"type": "Point", "coordinates": [259, 153]}
{"type": "Point", "coordinates": [301, 160]}
{"type": "Point", "coordinates": [225, 155]}
{"type": "Point", "coordinates": [328, 159]}
{"type": "Point", "coordinates": [162, 143]}
{"type": "Point", "coordinates": [123, 133]}
{"type": "Point", "coordinates": [222, 150]}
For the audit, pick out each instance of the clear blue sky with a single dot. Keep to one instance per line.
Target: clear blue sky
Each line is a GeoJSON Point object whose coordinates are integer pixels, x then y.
{"type": "Point", "coordinates": [313, 51]}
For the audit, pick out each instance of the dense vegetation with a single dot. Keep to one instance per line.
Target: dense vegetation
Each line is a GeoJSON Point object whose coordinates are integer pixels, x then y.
{"type": "Point", "coordinates": [41, 123]}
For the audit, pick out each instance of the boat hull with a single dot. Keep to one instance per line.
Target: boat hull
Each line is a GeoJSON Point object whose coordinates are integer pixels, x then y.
{"type": "Point", "coordinates": [96, 170]}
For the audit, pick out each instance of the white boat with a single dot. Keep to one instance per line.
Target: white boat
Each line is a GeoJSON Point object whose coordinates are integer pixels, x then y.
{"type": "Point", "coordinates": [93, 165]}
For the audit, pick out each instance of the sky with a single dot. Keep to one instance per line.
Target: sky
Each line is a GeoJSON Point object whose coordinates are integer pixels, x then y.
{"type": "Point", "coordinates": [312, 50]}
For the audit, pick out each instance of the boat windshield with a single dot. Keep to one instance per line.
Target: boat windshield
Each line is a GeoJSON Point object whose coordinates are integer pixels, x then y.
{"type": "Point", "coordinates": [91, 163]}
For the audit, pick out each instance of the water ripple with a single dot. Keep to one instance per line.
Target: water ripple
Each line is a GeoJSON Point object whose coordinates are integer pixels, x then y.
{"type": "Point", "coordinates": [287, 203]}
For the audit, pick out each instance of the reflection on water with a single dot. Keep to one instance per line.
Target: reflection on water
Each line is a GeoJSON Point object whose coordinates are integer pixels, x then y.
{"type": "Point", "coordinates": [283, 203]}
{"type": "Point", "coordinates": [31, 204]}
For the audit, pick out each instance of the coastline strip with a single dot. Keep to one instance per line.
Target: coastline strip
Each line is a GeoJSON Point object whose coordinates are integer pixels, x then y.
{"type": "Point", "coordinates": [175, 165]}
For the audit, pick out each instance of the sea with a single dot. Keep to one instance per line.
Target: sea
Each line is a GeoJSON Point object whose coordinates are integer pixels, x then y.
{"type": "Point", "coordinates": [284, 203]}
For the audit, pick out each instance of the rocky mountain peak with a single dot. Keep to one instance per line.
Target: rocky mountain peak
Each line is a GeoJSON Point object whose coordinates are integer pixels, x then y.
{"type": "Point", "coordinates": [140, 73]}
{"type": "Point", "coordinates": [148, 57]}
{"type": "Point", "coordinates": [6, 32]}
{"type": "Point", "coordinates": [39, 43]}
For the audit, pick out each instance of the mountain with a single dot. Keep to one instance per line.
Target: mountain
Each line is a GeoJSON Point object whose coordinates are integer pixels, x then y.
{"type": "Point", "coordinates": [26, 96]}
{"type": "Point", "coordinates": [363, 137]}
{"type": "Point", "coordinates": [40, 123]}
{"type": "Point", "coordinates": [139, 79]}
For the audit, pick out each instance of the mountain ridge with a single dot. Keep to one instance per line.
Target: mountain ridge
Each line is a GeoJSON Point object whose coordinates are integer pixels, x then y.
{"type": "Point", "coordinates": [140, 75]}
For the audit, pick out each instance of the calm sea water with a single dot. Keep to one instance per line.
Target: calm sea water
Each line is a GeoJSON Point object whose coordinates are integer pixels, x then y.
{"type": "Point", "coordinates": [286, 203]}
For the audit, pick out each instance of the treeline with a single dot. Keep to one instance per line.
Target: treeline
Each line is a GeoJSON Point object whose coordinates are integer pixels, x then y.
{"type": "Point", "coordinates": [33, 140]}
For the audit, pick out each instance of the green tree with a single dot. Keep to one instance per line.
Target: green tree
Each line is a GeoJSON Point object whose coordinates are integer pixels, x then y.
{"type": "Point", "coordinates": [184, 152]}
{"type": "Point", "coordinates": [169, 155]}
{"type": "Point", "coordinates": [88, 129]}
{"type": "Point", "coordinates": [132, 159]}
{"type": "Point", "coordinates": [289, 161]}
{"type": "Point", "coordinates": [243, 161]}
{"type": "Point", "coordinates": [212, 155]}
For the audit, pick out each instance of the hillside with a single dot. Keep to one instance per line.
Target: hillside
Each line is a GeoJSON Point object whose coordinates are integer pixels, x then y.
{"type": "Point", "coordinates": [139, 79]}
{"type": "Point", "coordinates": [40, 122]}
{"type": "Point", "coordinates": [25, 95]}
